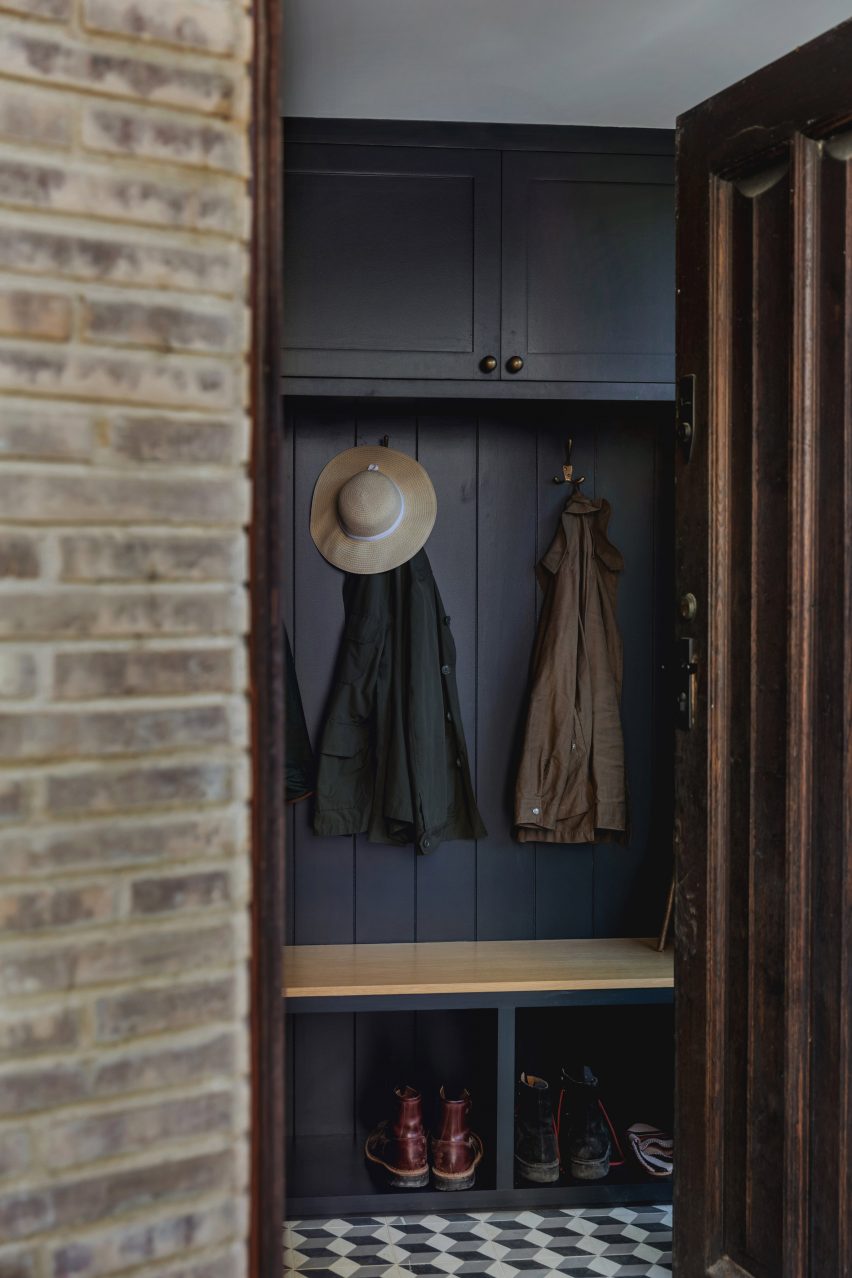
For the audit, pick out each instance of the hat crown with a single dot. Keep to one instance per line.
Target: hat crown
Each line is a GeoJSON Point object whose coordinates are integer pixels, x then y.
{"type": "Point", "coordinates": [369, 504]}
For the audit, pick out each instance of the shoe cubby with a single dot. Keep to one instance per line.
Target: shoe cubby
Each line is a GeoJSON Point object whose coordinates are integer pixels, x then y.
{"type": "Point", "coordinates": [630, 1050]}
{"type": "Point", "coordinates": [334, 1109]}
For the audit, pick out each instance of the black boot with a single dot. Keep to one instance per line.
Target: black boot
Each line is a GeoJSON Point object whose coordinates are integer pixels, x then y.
{"type": "Point", "coordinates": [583, 1133]}
{"type": "Point", "coordinates": [536, 1146]}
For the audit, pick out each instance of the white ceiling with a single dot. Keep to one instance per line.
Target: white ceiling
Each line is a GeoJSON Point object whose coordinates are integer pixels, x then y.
{"type": "Point", "coordinates": [622, 62]}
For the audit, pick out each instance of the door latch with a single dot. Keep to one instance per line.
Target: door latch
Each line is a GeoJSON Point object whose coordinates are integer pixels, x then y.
{"type": "Point", "coordinates": [687, 684]}
{"type": "Point", "coordinates": [686, 414]}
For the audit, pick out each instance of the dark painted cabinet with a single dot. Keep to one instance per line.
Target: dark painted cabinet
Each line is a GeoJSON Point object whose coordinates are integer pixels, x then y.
{"type": "Point", "coordinates": [588, 267]}
{"type": "Point", "coordinates": [391, 261]}
{"type": "Point", "coordinates": [496, 264]}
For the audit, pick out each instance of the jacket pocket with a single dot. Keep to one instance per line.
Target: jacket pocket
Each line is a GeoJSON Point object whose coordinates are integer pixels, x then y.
{"type": "Point", "coordinates": [345, 740]}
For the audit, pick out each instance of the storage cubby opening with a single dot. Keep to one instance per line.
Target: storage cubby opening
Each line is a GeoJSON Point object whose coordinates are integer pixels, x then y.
{"type": "Point", "coordinates": [631, 1051]}
{"type": "Point", "coordinates": [334, 1110]}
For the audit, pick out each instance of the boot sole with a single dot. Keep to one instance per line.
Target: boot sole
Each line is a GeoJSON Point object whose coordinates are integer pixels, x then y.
{"type": "Point", "coordinates": [538, 1173]}
{"type": "Point", "coordinates": [459, 1180]}
{"type": "Point", "coordinates": [399, 1179]}
{"type": "Point", "coordinates": [590, 1171]}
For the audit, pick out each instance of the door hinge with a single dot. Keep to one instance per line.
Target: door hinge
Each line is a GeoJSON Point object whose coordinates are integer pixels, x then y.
{"type": "Point", "coordinates": [687, 684]}
{"type": "Point", "coordinates": [686, 414]}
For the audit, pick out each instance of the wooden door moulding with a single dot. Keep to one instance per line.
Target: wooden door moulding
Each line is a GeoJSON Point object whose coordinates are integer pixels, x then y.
{"type": "Point", "coordinates": [266, 657]}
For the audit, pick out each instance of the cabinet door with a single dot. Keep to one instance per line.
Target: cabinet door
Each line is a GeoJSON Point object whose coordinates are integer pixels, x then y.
{"type": "Point", "coordinates": [588, 267]}
{"type": "Point", "coordinates": [391, 261]}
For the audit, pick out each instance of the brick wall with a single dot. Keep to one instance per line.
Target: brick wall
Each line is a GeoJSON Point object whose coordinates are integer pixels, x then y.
{"type": "Point", "coordinates": [123, 718]}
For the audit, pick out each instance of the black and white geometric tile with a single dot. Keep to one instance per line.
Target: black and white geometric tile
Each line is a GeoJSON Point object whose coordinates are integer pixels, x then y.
{"type": "Point", "coordinates": [605, 1242]}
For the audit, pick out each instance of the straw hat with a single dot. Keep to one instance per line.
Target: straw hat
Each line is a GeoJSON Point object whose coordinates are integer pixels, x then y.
{"type": "Point", "coordinates": [372, 509]}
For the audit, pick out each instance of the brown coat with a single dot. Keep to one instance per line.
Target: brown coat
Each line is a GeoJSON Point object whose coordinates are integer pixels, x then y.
{"type": "Point", "coordinates": [571, 785]}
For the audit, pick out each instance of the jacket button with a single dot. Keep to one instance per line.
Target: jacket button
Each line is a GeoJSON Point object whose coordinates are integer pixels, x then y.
{"type": "Point", "coordinates": [449, 717]}
{"type": "Point", "coordinates": [536, 811]}
{"type": "Point", "coordinates": [424, 843]}
{"type": "Point", "coordinates": [446, 621]}
{"type": "Point", "coordinates": [458, 761]}
{"type": "Point", "coordinates": [445, 669]}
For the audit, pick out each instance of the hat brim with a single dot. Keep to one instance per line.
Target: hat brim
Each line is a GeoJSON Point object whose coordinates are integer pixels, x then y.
{"type": "Point", "coordinates": [421, 507]}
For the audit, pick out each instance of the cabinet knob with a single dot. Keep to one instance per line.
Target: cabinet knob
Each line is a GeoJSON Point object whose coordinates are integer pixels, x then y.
{"type": "Point", "coordinates": [488, 364]}
{"type": "Point", "coordinates": [515, 364]}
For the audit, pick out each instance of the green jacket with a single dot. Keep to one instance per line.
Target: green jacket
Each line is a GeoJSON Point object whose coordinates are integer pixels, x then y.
{"type": "Point", "coordinates": [393, 762]}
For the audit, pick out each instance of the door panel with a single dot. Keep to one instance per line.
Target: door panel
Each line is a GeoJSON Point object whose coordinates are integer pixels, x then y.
{"type": "Point", "coordinates": [588, 266]}
{"type": "Point", "coordinates": [391, 261]}
{"type": "Point", "coordinates": [764, 541]}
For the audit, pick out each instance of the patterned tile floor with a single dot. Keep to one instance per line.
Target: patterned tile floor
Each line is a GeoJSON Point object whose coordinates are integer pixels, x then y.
{"type": "Point", "coordinates": [619, 1242]}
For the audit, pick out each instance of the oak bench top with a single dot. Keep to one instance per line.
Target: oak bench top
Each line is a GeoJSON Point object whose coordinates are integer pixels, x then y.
{"type": "Point", "coordinates": [469, 967]}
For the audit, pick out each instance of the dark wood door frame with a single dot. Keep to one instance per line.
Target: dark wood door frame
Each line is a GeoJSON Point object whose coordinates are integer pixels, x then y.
{"type": "Point", "coordinates": [267, 658]}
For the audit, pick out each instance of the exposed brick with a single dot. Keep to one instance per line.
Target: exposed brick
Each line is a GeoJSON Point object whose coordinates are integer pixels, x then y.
{"type": "Point", "coordinates": [26, 911]}
{"type": "Point", "coordinates": [39, 1033]}
{"type": "Point", "coordinates": [27, 118]}
{"type": "Point", "coordinates": [50, 60]}
{"type": "Point", "coordinates": [42, 1087]}
{"type": "Point", "coordinates": [185, 23]}
{"type": "Point", "coordinates": [97, 192]}
{"type": "Point", "coordinates": [230, 1264]}
{"type": "Point", "coordinates": [106, 673]}
{"type": "Point", "coordinates": [26, 735]}
{"type": "Point", "coordinates": [116, 844]}
{"type": "Point", "coordinates": [146, 955]}
{"type": "Point", "coordinates": [126, 1131]}
{"type": "Point", "coordinates": [93, 614]}
{"type": "Point", "coordinates": [179, 892]}
{"type": "Point", "coordinates": [163, 327]}
{"type": "Point", "coordinates": [19, 555]}
{"type": "Point", "coordinates": [25, 1213]}
{"type": "Point", "coordinates": [146, 1069]}
{"type": "Point", "coordinates": [102, 375]}
{"type": "Point", "coordinates": [118, 498]}
{"type": "Point", "coordinates": [102, 1197]}
{"type": "Point", "coordinates": [128, 1245]}
{"type": "Point", "coordinates": [28, 313]}
{"type": "Point", "coordinates": [175, 784]}
{"type": "Point", "coordinates": [15, 1154]}
{"type": "Point", "coordinates": [15, 799]}
{"type": "Point", "coordinates": [81, 1202]}
{"type": "Point", "coordinates": [172, 139]}
{"type": "Point", "coordinates": [151, 1011]}
{"type": "Point", "coordinates": [145, 556]}
{"type": "Point", "coordinates": [178, 439]}
{"type": "Point", "coordinates": [72, 255]}
{"type": "Point", "coordinates": [16, 1262]}
{"type": "Point", "coordinates": [18, 674]}
{"type": "Point", "coordinates": [49, 10]}
{"type": "Point", "coordinates": [45, 434]}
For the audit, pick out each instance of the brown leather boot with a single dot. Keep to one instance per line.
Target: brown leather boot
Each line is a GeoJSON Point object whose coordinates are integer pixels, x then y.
{"type": "Point", "coordinates": [399, 1144]}
{"type": "Point", "coordinates": [456, 1150]}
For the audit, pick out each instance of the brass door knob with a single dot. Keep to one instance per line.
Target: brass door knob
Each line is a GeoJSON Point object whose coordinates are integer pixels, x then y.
{"type": "Point", "coordinates": [488, 364]}
{"type": "Point", "coordinates": [515, 364]}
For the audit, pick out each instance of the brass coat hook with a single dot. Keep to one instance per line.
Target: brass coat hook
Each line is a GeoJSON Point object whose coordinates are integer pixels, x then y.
{"type": "Point", "coordinates": [567, 476]}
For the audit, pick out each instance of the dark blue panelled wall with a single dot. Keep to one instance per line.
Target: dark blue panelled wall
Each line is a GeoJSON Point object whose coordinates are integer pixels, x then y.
{"type": "Point", "coordinates": [492, 467]}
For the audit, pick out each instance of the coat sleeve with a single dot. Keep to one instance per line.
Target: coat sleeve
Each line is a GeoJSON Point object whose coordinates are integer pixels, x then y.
{"type": "Point", "coordinates": [346, 766]}
{"type": "Point", "coordinates": [551, 761]}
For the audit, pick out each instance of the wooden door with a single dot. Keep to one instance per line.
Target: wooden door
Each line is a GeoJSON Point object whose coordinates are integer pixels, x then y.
{"type": "Point", "coordinates": [588, 266]}
{"type": "Point", "coordinates": [391, 261]}
{"type": "Point", "coordinates": [764, 782]}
